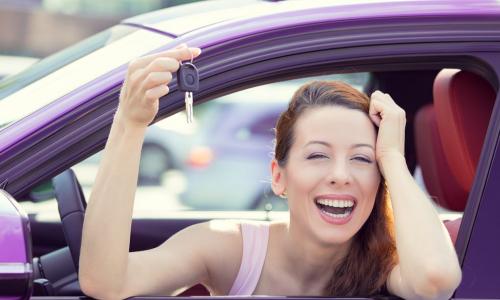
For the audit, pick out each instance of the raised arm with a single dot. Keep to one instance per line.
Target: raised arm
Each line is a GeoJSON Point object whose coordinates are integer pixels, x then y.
{"type": "Point", "coordinates": [428, 265]}
{"type": "Point", "coordinates": [107, 269]}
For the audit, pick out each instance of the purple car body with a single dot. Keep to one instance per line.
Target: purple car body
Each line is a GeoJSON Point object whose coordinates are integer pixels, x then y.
{"type": "Point", "coordinates": [16, 271]}
{"type": "Point", "coordinates": [259, 42]}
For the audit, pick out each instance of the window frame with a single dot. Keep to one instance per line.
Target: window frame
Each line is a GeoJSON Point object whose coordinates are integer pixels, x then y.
{"type": "Point", "coordinates": [45, 162]}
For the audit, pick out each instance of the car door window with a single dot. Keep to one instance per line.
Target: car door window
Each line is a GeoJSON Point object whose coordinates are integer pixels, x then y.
{"type": "Point", "coordinates": [220, 162]}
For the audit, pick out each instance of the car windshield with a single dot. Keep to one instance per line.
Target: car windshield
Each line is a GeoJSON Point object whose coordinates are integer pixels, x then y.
{"type": "Point", "coordinates": [59, 74]}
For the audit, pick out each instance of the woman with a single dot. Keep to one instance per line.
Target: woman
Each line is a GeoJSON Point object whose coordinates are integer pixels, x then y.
{"type": "Point", "coordinates": [338, 156]}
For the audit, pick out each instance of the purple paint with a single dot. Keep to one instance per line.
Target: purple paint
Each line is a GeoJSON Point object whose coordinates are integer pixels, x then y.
{"type": "Point", "coordinates": [15, 250]}
{"type": "Point", "coordinates": [220, 33]}
{"type": "Point", "coordinates": [318, 12]}
{"type": "Point", "coordinates": [481, 250]}
{"type": "Point", "coordinates": [481, 273]}
{"type": "Point", "coordinates": [11, 232]}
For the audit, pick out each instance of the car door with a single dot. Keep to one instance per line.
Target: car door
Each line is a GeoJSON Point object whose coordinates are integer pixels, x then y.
{"type": "Point", "coordinates": [316, 49]}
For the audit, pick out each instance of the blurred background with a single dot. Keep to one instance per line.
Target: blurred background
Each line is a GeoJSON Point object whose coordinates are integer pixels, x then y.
{"type": "Point", "coordinates": [182, 167]}
{"type": "Point", "coordinates": [38, 28]}
{"type": "Point", "coordinates": [219, 162]}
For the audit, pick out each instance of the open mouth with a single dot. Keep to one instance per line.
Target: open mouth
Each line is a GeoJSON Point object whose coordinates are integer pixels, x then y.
{"type": "Point", "coordinates": [337, 209]}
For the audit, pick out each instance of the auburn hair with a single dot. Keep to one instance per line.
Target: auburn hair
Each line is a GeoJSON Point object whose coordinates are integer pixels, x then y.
{"type": "Point", "coordinates": [372, 254]}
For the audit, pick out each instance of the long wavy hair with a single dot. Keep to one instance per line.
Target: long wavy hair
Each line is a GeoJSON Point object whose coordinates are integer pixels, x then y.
{"type": "Point", "coordinates": [372, 254]}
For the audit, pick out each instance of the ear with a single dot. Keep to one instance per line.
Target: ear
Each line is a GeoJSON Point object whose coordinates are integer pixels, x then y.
{"type": "Point", "coordinates": [278, 183]}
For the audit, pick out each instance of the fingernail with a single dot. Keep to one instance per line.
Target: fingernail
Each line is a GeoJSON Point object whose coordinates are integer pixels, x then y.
{"type": "Point", "coordinates": [183, 45]}
{"type": "Point", "coordinates": [196, 51]}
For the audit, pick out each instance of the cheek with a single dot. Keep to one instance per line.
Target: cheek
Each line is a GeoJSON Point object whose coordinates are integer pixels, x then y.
{"type": "Point", "coordinates": [368, 178]}
{"type": "Point", "coordinates": [305, 176]}
{"type": "Point", "coordinates": [368, 181]}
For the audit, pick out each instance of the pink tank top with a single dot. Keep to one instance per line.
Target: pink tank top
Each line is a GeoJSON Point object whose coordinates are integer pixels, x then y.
{"type": "Point", "coordinates": [255, 236]}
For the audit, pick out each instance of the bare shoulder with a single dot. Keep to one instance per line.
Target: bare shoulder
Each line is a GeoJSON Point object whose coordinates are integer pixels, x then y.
{"type": "Point", "coordinates": [222, 250]}
{"type": "Point", "coordinates": [216, 232]}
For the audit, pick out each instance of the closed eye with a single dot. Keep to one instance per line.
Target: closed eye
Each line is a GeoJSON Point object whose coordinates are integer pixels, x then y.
{"type": "Point", "coordinates": [317, 156]}
{"type": "Point", "coordinates": [362, 159]}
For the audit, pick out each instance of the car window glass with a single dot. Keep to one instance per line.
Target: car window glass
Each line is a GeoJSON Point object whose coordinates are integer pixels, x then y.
{"type": "Point", "coordinates": [220, 162]}
{"type": "Point", "coordinates": [75, 66]}
{"type": "Point", "coordinates": [53, 62]}
{"type": "Point", "coordinates": [261, 126]}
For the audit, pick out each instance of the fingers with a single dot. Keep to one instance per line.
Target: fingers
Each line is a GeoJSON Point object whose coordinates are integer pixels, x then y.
{"type": "Point", "coordinates": [156, 92]}
{"type": "Point", "coordinates": [154, 79]}
{"type": "Point", "coordinates": [180, 53]}
{"type": "Point", "coordinates": [381, 105]}
{"type": "Point", "coordinates": [376, 108]}
{"type": "Point", "coordinates": [147, 77]}
{"type": "Point", "coordinates": [374, 112]}
{"type": "Point", "coordinates": [154, 70]}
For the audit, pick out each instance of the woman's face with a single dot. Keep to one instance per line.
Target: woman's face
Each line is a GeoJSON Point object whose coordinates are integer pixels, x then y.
{"type": "Point", "coordinates": [331, 177]}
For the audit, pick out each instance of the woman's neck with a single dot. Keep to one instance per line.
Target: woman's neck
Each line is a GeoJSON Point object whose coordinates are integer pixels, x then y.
{"type": "Point", "coordinates": [306, 258]}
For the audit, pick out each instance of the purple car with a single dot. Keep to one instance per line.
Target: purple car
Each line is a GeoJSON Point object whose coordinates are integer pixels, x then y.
{"type": "Point", "coordinates": [440, 61]}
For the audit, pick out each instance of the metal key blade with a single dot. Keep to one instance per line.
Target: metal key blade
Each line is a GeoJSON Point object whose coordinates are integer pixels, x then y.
{"type": "Point", "coordinates": [188, 98]}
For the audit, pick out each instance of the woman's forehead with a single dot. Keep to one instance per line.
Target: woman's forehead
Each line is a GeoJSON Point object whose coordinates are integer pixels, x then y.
{"type": "Point", "coordinates": [334, 125]}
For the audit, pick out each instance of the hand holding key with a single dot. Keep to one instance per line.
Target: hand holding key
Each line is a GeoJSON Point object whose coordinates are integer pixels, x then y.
{"type": "Point", "coordinates": [146, 82]}
{"type": "Point", "coordinates": [188, 82]}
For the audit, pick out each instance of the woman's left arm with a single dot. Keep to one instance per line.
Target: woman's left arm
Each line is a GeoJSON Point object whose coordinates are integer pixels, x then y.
{"type": "Point", "coordinates": [428, 265]}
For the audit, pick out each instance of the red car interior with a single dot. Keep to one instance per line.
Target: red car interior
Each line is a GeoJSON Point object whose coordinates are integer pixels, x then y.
{"type": "Point", "coordinates": [464, 102]}
{"type": "Point", "coordinates": [443, 188]}
{"type": "Point", "coordinates": [449, 136]}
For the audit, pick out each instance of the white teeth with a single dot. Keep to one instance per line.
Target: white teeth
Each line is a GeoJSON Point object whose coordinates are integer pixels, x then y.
{"type": "Point", "coordinates": [339, 216]}
{"type": "Point", "coordinates": [336, 203]}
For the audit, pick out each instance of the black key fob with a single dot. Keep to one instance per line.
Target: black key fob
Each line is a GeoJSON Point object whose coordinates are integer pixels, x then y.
{"type": "Point", "coordinates": [187, 78]}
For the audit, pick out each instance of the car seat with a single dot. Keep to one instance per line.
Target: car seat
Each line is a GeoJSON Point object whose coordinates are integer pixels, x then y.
{"type": "Point", "coordinates": [449, 137]}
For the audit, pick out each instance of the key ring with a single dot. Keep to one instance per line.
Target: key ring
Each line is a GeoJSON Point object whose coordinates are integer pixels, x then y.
{"type": "Point", "coordinates": [192, 58]}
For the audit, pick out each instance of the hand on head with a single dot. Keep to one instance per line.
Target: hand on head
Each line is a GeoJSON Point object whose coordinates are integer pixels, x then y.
{"type": "Point", "coordinates": [147, 81]}
{"type": "Point", "coordinates": [391, 120]}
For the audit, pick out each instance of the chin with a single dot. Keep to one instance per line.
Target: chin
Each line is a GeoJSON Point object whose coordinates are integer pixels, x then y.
{"type": "Point", "coordinates": [336, 230]}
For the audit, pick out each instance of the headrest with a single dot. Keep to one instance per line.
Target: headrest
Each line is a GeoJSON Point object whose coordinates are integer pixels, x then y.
{"type": "Point", "coordinates": [463, 102]}
{"type": "Point", "coordinates": [441, 185]}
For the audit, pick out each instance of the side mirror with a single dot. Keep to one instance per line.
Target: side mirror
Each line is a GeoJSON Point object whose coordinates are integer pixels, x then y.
{"type": "Point", "coordinates": [16, 270]}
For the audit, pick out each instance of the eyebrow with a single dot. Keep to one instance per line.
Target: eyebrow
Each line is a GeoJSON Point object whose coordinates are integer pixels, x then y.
{"type": "Point", "coordinates": [363, 145]}
{"type": "Point", "coordinates": [318, 142]}
{"type": "Point", "coordinates": [329, 145]}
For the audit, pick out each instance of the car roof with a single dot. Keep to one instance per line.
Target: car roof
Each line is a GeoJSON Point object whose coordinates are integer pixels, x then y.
{"type": "Point", "coordinates": [173, 22]}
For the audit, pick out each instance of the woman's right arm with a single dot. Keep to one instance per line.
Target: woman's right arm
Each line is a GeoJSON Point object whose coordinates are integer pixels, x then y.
{"type": "Point", "coordinates": [107, 269]}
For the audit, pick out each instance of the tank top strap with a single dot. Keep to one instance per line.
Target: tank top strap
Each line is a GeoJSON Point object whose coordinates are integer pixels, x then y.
{"type": "Point", "coordinates": [255, 237]}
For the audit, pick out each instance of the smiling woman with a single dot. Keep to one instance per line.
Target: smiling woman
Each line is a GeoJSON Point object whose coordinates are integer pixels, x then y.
{"type": "Point", "coordinates": [325, 150]}
{"type": "Point", "coordinates": [339, 154]}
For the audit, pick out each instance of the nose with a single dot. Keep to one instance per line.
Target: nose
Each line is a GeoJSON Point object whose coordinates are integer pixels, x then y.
{"type": "Point", "coordinates": [339, 173]}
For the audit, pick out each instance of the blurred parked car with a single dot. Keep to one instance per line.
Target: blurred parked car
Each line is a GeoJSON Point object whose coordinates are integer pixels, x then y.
{"type": "Point", "coordinates": [440, 60]}
{"type": "Point", "coordinates": [165, 147]}
{"type": "Point", "coordinates": [236, 138]}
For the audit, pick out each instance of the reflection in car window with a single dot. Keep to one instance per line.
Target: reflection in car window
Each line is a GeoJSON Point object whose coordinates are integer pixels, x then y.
{"type": "Point", "coordinates": [80, 65]}
{"type": "Point", "coordinates": [218, 163]}
{"type": "Point", "coordinates": [48, 65]}
{"type": "Point", "coordinates": [261, 126]}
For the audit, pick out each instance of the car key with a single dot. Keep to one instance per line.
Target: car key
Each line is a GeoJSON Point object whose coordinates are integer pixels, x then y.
{"type": "Point", "coordinates": [188, 82]}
